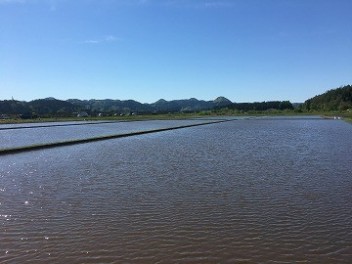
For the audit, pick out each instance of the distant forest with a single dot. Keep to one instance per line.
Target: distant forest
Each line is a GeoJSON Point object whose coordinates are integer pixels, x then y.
{"type": "Point", "coordinates": [339, 99]}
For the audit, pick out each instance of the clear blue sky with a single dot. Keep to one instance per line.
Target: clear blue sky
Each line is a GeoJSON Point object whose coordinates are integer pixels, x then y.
{"type": "Point", "coordinates": [245, 50]}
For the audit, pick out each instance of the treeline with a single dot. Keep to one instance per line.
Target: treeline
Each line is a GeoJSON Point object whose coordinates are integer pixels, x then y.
{"type": "Point", "coordinates": [262, 106]}
{"type": "Point", "coordinates": [339, 99]}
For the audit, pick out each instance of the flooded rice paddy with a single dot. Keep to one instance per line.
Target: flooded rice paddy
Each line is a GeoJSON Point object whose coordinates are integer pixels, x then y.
{"type": "Point", "coordinates": [243, 191]}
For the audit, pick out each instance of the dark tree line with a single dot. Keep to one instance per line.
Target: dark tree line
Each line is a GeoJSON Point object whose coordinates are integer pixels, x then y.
{"type": "Point", "coordinates": [262, 106]}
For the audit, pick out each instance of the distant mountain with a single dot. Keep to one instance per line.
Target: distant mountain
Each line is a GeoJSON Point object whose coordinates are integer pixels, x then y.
{"type": "Point", "coordinates": [14, 107]}
{"type": "Point", "coordinates": [110, 106]}
{"type": "Point", "coordinates": [51, 107]}
{"type": "Point", "coordinates": [339, 99]}
{"type": "Point", "coordinates": [160, 106]}
{"type": "Point", "coordinates": [189, 105]}
{"type": "Point", "coordinates": [222, 102]}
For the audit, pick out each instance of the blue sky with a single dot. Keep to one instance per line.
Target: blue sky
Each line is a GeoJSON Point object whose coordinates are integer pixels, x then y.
{"type": "Point", "coordinates": [245, 50]}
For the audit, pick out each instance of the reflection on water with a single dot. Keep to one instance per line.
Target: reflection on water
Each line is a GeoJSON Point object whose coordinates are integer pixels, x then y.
{"type": "Point", "coordinates": [247, 191]}
{"type": "Point", "coordinates": [12, 136]}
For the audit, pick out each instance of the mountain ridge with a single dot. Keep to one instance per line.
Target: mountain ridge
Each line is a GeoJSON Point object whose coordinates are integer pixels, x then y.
{"type": "Point", "coordinates": [55, 107]}
{"type": "Point", "coordinates": [339, 99]}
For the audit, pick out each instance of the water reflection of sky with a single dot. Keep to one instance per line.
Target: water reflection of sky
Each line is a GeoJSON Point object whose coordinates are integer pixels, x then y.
{"type": "Point", "coordinates": [254, 191]}
{"type": "Point", "coordinates": [49, 133]}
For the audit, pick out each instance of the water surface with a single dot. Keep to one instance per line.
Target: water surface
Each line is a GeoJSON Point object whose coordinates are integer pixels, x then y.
{"type": "Point", "coordinates": [246, 191]}
{"type": "Point", "coordinates": [46, 133]}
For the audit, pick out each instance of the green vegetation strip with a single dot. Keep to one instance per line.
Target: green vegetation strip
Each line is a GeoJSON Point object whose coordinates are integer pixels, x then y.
{"type": "Point", "coordinates": [88, 140]}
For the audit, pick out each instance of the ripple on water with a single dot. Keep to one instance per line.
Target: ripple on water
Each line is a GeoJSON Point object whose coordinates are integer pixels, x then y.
{"type": "Point", "coordinates": [249, 191]}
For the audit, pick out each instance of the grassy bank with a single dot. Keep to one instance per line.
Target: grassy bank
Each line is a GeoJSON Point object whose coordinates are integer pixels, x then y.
{"type": "Point", "coordinates": [347, 116]}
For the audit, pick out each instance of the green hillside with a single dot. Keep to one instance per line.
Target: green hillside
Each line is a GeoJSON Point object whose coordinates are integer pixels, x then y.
{"type": "Point", "coordinates": [339, 99]}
